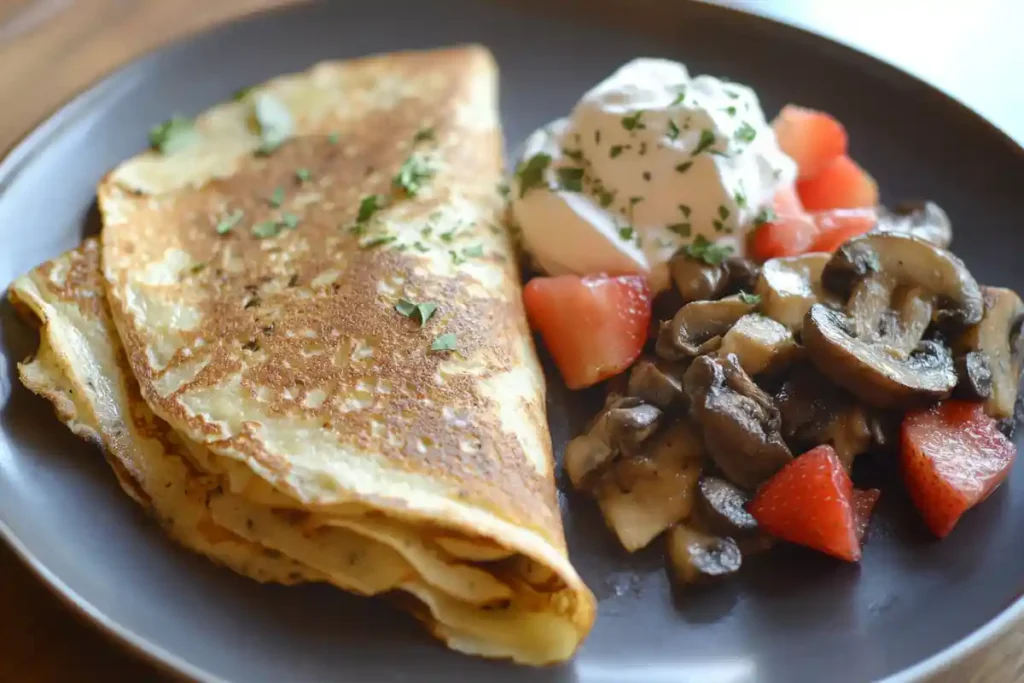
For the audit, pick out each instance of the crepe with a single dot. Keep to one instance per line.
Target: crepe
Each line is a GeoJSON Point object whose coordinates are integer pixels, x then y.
{"type": "Point", "coordinates": [318, 424]}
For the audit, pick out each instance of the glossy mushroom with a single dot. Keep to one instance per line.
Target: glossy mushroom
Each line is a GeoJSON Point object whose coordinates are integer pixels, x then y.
{"type": "Point", "coordinates": [697, 327]}
{"type": "Point", "coordinates": [997, 337]}
{"type": "Point", "coordinates": [697, 558]}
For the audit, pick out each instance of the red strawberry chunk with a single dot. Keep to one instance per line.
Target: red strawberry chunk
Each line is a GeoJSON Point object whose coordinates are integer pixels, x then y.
{"type": "Point", "coordinates": [594, 326]}
{"type": "Point", "coordinates": [790, 232]}
{"type": "Point", "coordinates": [841, 184]}
{"type": "Point", "coordinates": [810, 138]}
{"type": "Point", "coordinates": [810, 502]}
{"type": "Point", "coordinates": [953, 457]}
{"type": "Point", "coordinates": [863, 504]}
{"type": "Point", "coordinates": [836, 227]}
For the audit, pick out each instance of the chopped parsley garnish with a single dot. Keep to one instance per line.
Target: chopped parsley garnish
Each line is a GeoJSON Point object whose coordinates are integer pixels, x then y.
{"type": "Point", "coordinates": [274, 120]}
{"type": "Point", "coordinates": [746, 132]}
{"type": "Point", "coordinates": [707, 140]}
{"type": "Point", "coordinates": [171, 135]}
{"type": "Point", "coordinates": [198, 267]}
{"type": "Point", "coordinates": [597, 137]}
{"type": "Point", "coordinates": [457, 259]}
{"type": "Point", "coordinates": [626, 233]}
{"type": "Point", "coordinates": [475, 251]}
{"type": "Point", "coordinates": [447, 237]}
{"type": "Point", "coordinates": [266, 229]}
{"type": "Point", "coordinates": [718, 225]}
{"type": "Point", "coordinates": [750, 299]}
{"type": "Point", "coordinates": [684, 167]}
{"type": "Point", "coordinates": [530, 172]}
{"type": "Point", "coordinates": [370, 205]}
{"type": "Point", "coordinates": [421, 247]}
{"type": "Point", "coordinates": [643, 148]}
{"type": "Point", "coordinates": [685, 210]}
{"type": "Point", "coordinates": [731, 111]}
{"type": "Point", "coordinates": [633, 122]}
{"type": "Point", "coordinates": [303, 175]}
{"type": "Point", "coordinates": [445, 342]}
{"type": "Point", "coordinates": [424, 135]}
{"type": "Point", "coordinates": [503, 190]}
{"type": "Point", "coordinates": [427, 230]}
{"type": "Point", "coordinates": [411, 309]}
{"type": "Point", "coordinates": [225, 224]}
{"type": "Point", "coordinates": [290, 220]}
{"type": "Point", "coordinates": [277, 198]}
{"type": "Point", "coordinates": [605, 197]}
{"type": "Point", "coordinates": [673, 130]}
{"type": "Point", "coordinates": [333, 138]}
{"type": "Point", "coordinates": [679, 98]}
{"type": "Point", "coordinates": [574, 154]}
{"type": "Point", "coordinates": [647, 175]}
{"type": "Point", "coordinates": [723, 212]}
{"type": "Point", "coordinates": [615, 151]}
{"type": "Point", "coordinates": [765, 215]}
{"type": "Point", "coordinates": [377, 241]}
{"type": "Point", "coordinates": [704, 250]}
{"type": "Point", "coordinates": [741, 199]}
{"type": "Point", "coordinates": [681, 229]}
{"type": "Point", "coordinates": [570, 178]}
{"type": "Point", "coordinates": [412, 175]}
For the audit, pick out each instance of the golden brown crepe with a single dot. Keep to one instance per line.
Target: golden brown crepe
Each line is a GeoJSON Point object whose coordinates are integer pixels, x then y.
{"type": "Point", "coordinates": [291, 389]}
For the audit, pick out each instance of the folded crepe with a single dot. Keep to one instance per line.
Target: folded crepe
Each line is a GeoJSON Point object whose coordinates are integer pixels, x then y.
{"type": "Point", "coordinates": [301, 344]}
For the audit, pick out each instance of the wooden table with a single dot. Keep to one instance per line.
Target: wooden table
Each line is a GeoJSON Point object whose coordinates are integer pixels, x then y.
{"type": "Point", "coordinates": [50, 49]}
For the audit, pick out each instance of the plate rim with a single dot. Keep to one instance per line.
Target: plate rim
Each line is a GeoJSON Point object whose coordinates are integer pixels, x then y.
{"type": "Point", "coordinates": [35, 140]}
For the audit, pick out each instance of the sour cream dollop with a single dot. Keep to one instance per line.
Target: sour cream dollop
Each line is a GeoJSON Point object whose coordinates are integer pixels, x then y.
{"type": "Point", "coordinates": [647, 161]}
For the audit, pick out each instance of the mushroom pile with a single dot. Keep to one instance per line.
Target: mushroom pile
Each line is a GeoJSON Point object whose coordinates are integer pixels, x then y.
{"type": "Point", "coordinates": [763, 362]}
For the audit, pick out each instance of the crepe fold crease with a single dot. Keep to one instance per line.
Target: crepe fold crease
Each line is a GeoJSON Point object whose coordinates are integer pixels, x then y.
{"type": "Point", "coordinates": [339, 386]}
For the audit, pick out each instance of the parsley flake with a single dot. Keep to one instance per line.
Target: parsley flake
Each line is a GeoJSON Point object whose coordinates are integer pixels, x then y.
{"type": "Point", "coordinates": [765, 215]}
{"type": "Point", "coordinates": [475, 251]}
{"type": "Point", "coordinates": [633, 122]}
{"type": "Point", "coordinates": [412, 175]}
{"type": "Point", "coordinates": [685, 210]}
{"type": "Point", "coordinates": [750, 299]}
{"type": "Point", "coordinates": [707, 139]}
{"type": "Point", "coordinates": [710, 253]}
{"type": "Point", "coordinates": [681, 229]}
{"type": "Point", "coordinates": [673, 130]}
{"type": "Point", "coordinates": [723, 212]}
{"type": "Point", "coordinates": [574, 154]}
{"type": "Point", "coordinates": [424, 135]}
{"type": "Point", "coordinates": [266, 229]}
{"type": "Point", "coordinates": [290, 220]}
{"type": "Point", "coordinates": [504, 190]}
{"type": "Point", "coordinates": [731, 111]}
{"type": "Point", "coordinates": [746, 133]}
{"type": "Point", "coordinates": [370, 205]}
{"type": "Point", "coordinates": [377, 241]}
{"type": "Point", "coordinates": [615, 151]}
{"type": "Point", "coordinates": [626, 233]}
{"type": "Point", "coordinates": [225, 224]}
{"type": "Point", "coordinates": [741, 199]}
{"type": "Point", "coordinates": [606, 198]}
{"type": "Point", "coordinates": [684, 167]}
{"type": "Point", "coordinates": [277, 198]}
{"type": "Point", "coordinates": [718, 225]}
{"type": "Point", "coordinates": [570, 179]}
{"type": "Point", "coordinates": [274, 121]}
{"type": "Point", "coordinates": [303, 175]}
{"type": "Point", "coordinates": [445, 342]}
{"type": "Point", "coordinates": [530, 172]}
{"type": "Point", "coordinates": [679, 98]}
{"type": "Point", "coordinates": [172, 135]}
{"type": "Point", "coordinates": [411, 309]}
{"type": "Point", "coordinates": [421, 247]}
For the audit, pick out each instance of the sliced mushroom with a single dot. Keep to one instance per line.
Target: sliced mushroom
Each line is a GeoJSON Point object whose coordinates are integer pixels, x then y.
{"type": "Point", "coordinates": [759, 343]}
{"type": "Point", "coordinates": [623, 425]}
{"type": "Point", "coordinates": [697, 327]}
{"type": "Point", "coordinates": [643, 495]}
{"type": "Point", "coordinates": [974, 377]}
{"type": "Point", "coordinates": [922, 219]}
{"type": "Point", "coordinates": [656, 382]}
{"type": "Point", "coordinates": [908, 262]}
{"type": "Point", "coordinates": [743, 274]}
{"type": "Point", "coordinates": [696, 280]}
{"type": "Point", "coordinates": [788, 287]}
{"type": "Point", "coordinates": [998, 338]}
{"type": "Point", "coordinates": [695, 557]}
{"type": "Point", "coordinates": [870, 369]}
{"type": "Point", "coordinates": [814, 411]}
{"type": "Point", "coordinates": [738, 420]}
{"type": "Point", "coordinates": [722, 507]}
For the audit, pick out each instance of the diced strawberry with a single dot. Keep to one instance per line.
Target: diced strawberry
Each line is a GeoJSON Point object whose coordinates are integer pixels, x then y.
{"type": "Point", "coordinates": [594, 326]}
{"type": "Point", "coordinates": [790, 232]}
{"type": "Point", "coordinates": [810, 138]}
{"type": "Point", "coordinates": [838, 226]}
{"type": "Point", "coordinates": [841, 184]}
{"type": "Point", "coordinates": [810, 502]}
{"type": "Point", "coordinates": [953, 457]}
{"type": "Point", "coordinates": [863, 504]}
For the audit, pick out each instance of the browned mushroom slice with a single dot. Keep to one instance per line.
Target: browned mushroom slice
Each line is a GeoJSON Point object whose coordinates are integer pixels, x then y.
{"type": "Point", "coordinates": [623, 425]}
{"type": "Point", "coordinates": [697, 327]}
{"type": "Point", "coordinates": [656, 382]}
{"type": "Point", "coordinates": [922, 219]}
{"type": "Point", "coordinates": [738, 420]}
{"type": "Point", "coordinates": [870, 369]}
{"type": "Point", "coordinates": [998, 338]}
{"type": "Point", "coordinates": [696, 280]}
{"type": "Point", "coordinates": [788, 287]}
{"type": "Point", "coordinates": [641, 496]}
{"type": "Point", "coordinates": [974, 377]}
{"type": "Point", "coordinates": [696, 558]}
{"type": "Point", "coordinates": [759, 343]}
{"type": "Point", "coordinates": [722, 508]}
{"type": "Point", "coordinates": [815, 411]}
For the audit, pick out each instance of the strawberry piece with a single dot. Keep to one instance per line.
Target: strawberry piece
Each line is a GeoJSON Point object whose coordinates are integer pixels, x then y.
{"type": "Point", "coordinates": [810, 138]}
{"type": "Point", "coordinates": [863, 504]}
{"type": "Point", "coordinates": [810, 502]}
{"type": "Point", "coordinates": [594, 326]}
{"type": "Point", "coordinates": [953, 457]}
{"type": "Point", "coordinates": [790, 232]}
{"type": "Point", "coordinates": [841, 184]}
{"type": "Point", "coordinates": [837, 227]}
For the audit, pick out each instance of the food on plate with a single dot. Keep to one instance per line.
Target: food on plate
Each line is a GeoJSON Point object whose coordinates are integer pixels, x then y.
{"type": "Point", "coordinates": [811, 328]}
{"type": "Point", "coordinates": [649, 160]}
{"type": "Point", "coordinates": [302, 343]}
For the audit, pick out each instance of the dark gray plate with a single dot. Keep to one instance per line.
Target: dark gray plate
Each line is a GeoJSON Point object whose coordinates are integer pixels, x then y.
{"type": "Point", "coordinates": [793, 616]}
